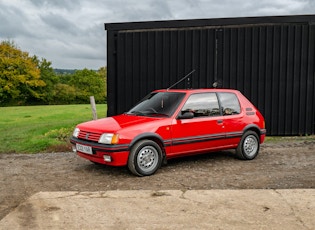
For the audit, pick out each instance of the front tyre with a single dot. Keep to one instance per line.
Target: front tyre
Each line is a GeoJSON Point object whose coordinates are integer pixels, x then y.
{"type": "Point", "coordinates": [145, 158]}
{"type": "Point", "coordinates": [248, 147]}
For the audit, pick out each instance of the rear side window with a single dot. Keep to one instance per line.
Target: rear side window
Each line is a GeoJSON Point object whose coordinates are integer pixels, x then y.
{"type": "Point", "coordinates": [202, 104]}
{"type": "Point", "coordinates": [229, 103]}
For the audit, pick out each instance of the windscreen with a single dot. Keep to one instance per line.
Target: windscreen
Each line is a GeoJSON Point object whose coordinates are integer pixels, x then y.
{"type": "Point", "coordinates": [158, 104]}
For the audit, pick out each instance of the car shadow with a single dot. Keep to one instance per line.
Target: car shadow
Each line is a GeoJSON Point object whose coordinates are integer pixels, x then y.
{"type": "Point", "coordinates": [212, 156]}
{"type": "Point", "coordinates": [179, 162]}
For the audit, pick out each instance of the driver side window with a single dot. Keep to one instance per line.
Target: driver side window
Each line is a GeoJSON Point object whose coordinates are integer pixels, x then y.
{"type": "Point", "coordinates": [202, 105]}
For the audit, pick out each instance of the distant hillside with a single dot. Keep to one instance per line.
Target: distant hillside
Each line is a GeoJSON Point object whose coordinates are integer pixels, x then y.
{"type": "Point", "coordinates": [67, 71]}
{"type": "Point", "coordinates": [64, 71]}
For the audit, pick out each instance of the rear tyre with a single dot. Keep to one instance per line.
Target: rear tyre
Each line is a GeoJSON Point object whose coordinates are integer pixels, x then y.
{"type": "Point", "coordinates": [145, 158]}
{"type": "Point", "coordinates": [248, 148]}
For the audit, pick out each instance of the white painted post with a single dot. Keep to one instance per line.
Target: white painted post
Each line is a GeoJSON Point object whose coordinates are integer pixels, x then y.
{"type": "Point", "coordinates": [93, 106]}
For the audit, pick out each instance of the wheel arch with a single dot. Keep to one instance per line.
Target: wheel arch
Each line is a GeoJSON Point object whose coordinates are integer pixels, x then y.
{"type": "Point", "coordinates": [254, 128]}
{"type": "Point", "coordinates": [150, 136]}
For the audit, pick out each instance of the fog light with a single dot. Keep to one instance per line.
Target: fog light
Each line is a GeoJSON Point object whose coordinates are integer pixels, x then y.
{"type": "Point", "coordinates": [107, 158]}
{"type": "Point", "coordinates": [74, 149]}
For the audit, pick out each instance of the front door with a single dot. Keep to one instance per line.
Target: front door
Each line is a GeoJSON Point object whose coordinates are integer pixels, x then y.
{"type": "Point", "coordinates": [203, 132]}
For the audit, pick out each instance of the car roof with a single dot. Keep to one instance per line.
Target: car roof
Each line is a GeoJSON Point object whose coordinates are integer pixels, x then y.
{"type": "Point", "coordinates": [203, 90]}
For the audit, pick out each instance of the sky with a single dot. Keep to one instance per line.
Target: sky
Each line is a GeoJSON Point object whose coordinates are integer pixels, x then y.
{"type": "Point", "coordinates": [71, 35]}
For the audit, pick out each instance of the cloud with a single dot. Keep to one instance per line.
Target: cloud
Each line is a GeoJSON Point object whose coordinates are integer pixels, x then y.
{"type": "Point", "coordinates": [9, 18]}
{"type": "Point", "coordinates": [281, 7]}
{"type": "Point", "coordinates": [58, 24]}
{"type": "Point", "coordinates": [71, 34]}
{"type": "Point", "coordinates": [56, 4]}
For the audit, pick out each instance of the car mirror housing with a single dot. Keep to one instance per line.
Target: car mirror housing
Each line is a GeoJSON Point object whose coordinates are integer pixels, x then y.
{"type": "Point", "coordinates": [186, 115]}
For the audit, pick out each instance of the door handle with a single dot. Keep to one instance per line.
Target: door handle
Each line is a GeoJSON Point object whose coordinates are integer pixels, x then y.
{"type": "Point", "coordinates": [220, 121]}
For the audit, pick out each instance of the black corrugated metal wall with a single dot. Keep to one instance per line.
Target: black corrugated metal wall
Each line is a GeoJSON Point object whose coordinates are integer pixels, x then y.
{"type": "Point", "coordinates": [271, 63]}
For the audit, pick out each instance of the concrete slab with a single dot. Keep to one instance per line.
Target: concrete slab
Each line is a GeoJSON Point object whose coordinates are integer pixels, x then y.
{"type": "Point", "coordinates": [167, 209]}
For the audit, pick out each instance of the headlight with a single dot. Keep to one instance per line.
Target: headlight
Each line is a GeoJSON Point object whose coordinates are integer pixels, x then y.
{"type": "Point", "coordinates": [76, 132]}
{"type": "Point", "coordinates": [109, 138]}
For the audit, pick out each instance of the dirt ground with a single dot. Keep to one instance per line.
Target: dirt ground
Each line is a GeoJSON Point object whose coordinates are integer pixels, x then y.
{"type": "Point", "coordinates": [284, 164]}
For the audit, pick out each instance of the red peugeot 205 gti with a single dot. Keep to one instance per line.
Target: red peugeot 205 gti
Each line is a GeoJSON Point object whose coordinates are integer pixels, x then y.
{"type": "Point", "coordinates": [172, 123]}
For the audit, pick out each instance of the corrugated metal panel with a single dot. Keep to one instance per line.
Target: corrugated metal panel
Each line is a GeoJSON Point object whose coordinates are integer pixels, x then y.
{"type": "Point", "coordinates": [150, 60]}
{"type": "Point", "coordinates": [271, 63]}
{"type": "Point", "coordinates": [274, 67]}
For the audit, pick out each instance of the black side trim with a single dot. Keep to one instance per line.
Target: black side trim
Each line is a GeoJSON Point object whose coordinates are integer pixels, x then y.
{"type": "Point", "coordinates": [178, 141]}
{"type": "Point", "coordinates": [204, 138]}
{"type": "Point", "coordinates": [234, 134]}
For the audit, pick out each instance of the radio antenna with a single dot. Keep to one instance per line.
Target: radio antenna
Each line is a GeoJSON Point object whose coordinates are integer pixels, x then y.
{"type": "Point", "coordinates": [191, 72]}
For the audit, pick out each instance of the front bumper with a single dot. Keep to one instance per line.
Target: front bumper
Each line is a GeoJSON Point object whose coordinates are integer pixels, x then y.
{"type": "Point", "coordinates": [118, 154]}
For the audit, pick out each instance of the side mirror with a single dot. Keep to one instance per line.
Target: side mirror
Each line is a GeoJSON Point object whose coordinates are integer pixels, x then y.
{"type": "Point", "coordinates": [186, 115]}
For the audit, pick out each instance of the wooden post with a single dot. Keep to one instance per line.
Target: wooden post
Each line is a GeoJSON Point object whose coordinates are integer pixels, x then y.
{"type": "Point", "coordinates": [93, 106]}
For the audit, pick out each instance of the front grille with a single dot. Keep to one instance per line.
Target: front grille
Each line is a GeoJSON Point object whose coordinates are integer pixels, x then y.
{"type": "Point", "coordinates": [84, 135]}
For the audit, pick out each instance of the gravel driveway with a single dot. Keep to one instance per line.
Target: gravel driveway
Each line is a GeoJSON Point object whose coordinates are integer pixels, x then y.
{"type": "Point", "coordinates": [283, 164]}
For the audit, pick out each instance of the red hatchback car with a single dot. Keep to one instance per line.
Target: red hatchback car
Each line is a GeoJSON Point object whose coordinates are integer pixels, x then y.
{"type": "Point", "coordinates": [172, 123]}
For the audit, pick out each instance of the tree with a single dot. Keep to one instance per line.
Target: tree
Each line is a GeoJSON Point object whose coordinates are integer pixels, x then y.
{"type": "Point", "coordinates": [103, 74]}
{"type": "Point", "coordinates": [19, 76]}
{"type": "Point", "coordinates": [48, 75]}
{"type": "Point", "coordinates": [88, 83]}
{"type": "Point", "coordinates": [63, 94]}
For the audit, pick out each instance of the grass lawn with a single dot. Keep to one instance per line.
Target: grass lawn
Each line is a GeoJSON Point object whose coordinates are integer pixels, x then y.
{"type": "Point", "coordinates": [33, 129]}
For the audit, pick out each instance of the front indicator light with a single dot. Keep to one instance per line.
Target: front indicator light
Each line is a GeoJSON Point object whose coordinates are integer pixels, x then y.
{"type": "Point", "coordinates": [115, 139]}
